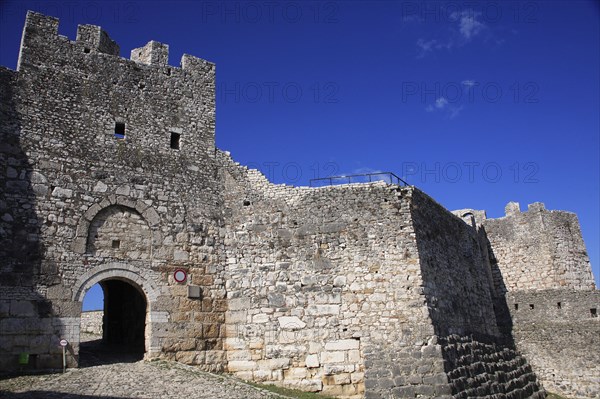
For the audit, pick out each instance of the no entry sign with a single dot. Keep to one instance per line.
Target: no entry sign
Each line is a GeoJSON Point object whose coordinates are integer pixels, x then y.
{"type": "Point", "coordinates": [180, 275]}
{"type": "Point", "coordinates": [63, 342]}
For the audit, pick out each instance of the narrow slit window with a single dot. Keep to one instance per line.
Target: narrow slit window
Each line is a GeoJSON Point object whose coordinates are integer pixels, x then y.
{"type": "Point", "coordinates": [558, 305]}
{"type": "Point", "coordinates": [516, 306]}
{"type": "Point", "coordinates": [120, 130]}
{"type": "Point", "coordinates": [175, 140]}
{"type": "Point", "coordinates": [116, 244]}
{"type": "Point", "coordinates": [594, 312]}
{"type": "Point", "coordinates": [531, 306]}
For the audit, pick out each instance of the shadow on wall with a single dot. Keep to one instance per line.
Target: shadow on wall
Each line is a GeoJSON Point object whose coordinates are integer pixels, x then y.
{"type": "Point", "coordinates": [22, 264]}
{"type": "Point", "coordinates": [469, 314]}
{"type": "Point", "coordinates": [499, 290]}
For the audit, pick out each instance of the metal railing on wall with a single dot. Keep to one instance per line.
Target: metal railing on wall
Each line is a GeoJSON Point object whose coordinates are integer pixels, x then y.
{"type": "Point", "coordinates": [387, 177]}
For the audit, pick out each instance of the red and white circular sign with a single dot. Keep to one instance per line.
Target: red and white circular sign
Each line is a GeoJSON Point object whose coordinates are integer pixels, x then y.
{"type": "Point", "coordinates": [180, 275]}
{"type": "Point", "coordinates": [63, 342]}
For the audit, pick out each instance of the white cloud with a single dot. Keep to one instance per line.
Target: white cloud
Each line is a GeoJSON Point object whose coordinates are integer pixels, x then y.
{"type": "Point", "coordinates": [469, 26]}
{"type": "Point", "coordinates": [426, 46]}
{"type": "Point", "coordinates": [441, 103]}
{"type": "Point", "coordinates": [465, 26]}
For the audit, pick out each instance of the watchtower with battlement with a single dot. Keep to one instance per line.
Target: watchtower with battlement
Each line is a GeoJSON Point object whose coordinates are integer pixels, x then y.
{"type": "Point", "coordinates": [150, 105]}
{"type": "Point", "coordinates": [111, 178]}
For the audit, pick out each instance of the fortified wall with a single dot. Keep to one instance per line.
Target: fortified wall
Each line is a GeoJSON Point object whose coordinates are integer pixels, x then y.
{"type": "Point", "coordinates": [545, 297]}
{"type": "Point", "coordinates": [363, 290]}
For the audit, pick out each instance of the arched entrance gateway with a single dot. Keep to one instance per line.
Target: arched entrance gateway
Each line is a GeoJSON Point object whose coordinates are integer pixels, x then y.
{"type": "Point", "coordinates": [128, 301]}
{"type": "Point", "coordinates": [121, 323]}
{"type": "Point", "coordinates": [118, 236]}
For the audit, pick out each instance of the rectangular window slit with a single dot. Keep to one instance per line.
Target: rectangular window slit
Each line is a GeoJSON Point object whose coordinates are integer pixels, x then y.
{"type": "Point", "coordinates": [531, 306]}
{"type": "Point", "coordinates": [558, 305]}
{"type": "Point", "coordinates": [516, 306]}
{"type": "Point", "coordinates": [593, 312]}
{"type": "Point", "coordinates": [116, 244]}
{"type": "Point", "coordinates": [120, 130]}
{"type": "Point", "coordinates": [175, 140]}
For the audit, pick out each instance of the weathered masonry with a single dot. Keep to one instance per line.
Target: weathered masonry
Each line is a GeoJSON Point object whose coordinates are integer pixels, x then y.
{"type": "Point", "coordinates": [110, 175]}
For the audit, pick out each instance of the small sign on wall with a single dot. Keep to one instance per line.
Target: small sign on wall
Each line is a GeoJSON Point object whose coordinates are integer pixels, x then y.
{"type": "Point", "coordinates": [180, 275]}
{"type": "Point", "coordinates": [194, 292]}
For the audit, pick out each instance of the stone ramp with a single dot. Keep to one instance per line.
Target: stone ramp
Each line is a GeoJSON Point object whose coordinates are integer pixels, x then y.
{"type": "Point", "coordinates": [140, 380]}
{"type": "Point", "coordinates": [483, 368]}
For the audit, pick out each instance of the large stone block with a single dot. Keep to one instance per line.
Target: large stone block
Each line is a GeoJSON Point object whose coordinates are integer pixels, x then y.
{"type": "Point", "coordinates": [345, 344]}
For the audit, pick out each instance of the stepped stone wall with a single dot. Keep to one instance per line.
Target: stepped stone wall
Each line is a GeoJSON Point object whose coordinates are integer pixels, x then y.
{"type": "Point", "coordinates": [478, 366]}
{"type": "Point", "coordinates": [110, 172]}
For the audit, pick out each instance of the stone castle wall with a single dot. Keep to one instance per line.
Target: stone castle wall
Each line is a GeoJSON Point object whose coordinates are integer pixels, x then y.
{"type": "Point", "coordinates": [544, 293]}
{"type": "Point", "coordinates": [538, 249]}
{"type": "Point", "coordinates": [558, 331]}
{"type": "Point", "coordinates": [91, 322]}
{"type": "Point", "coordinates": [359, 289]}
{"type": "Point", "coordinates": [311, 278]}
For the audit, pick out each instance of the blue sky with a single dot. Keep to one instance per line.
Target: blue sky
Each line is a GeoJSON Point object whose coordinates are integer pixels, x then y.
{"type": "Point", "coordinates": [476, 103]}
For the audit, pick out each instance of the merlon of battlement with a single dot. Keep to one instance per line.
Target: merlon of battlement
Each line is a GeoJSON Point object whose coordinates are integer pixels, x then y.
{"type": "Point", "coordinates": [41, 24]}
{"type": "Point", "coordinates": [536, 206]}
{"type": "Point", "coordinates": [93, 37]}
{"type": "Point", "coordinates": [153, 53]}
{"type": "Point", "coordinates": [512, 208]}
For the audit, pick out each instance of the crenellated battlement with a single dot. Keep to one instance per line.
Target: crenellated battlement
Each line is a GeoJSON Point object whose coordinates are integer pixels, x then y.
{"type": "Point", "coordinates": [42, 30]}
{"type": "Point", "coordinates": [142, 101]}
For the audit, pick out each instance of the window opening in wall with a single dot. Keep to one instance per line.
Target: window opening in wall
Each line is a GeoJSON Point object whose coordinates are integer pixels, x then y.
{"type": "Point", "coordinates": [531, 306]}
{"type": "Point", "coordinates": [516, 306]}
{"type": "Point", "coordinates": [558, 305]}
{"type": "Point", "coordinates": [120, 130]}
{"type": "Point", "coordinates": [116, 244]}
{"type": "Point", "coordinates": [175, 140]}
{"type": "Point", "coordinates": [594, 312]}
{"type": "Point", "coordinates": [86, 50]}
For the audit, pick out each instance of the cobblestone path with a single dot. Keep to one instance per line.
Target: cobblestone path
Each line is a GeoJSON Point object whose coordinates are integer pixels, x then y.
{"type": "Point", "coordinates": [147, 380]}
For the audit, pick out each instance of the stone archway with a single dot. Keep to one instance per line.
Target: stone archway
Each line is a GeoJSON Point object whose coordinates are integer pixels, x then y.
{"type": "Point", "coordinates": [120, 279]}
{"type": "Point", "coordinates": [147, 212]}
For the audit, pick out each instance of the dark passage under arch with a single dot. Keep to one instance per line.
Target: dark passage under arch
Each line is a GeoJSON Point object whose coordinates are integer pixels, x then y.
{"type": "Point", "coordinates": [123, 326]}
{"type": "Point", "coordinates": [124, 315]}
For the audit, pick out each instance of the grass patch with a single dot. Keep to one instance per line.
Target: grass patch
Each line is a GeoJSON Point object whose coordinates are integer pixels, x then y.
{"type": "Point", "coordinates": [292, 393]}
